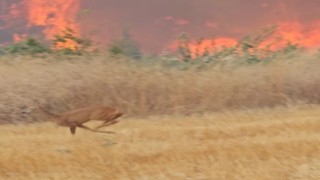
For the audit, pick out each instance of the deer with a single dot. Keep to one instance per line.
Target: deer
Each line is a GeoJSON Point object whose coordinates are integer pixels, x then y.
{"type": "Point", "coordinates": [77, 117]}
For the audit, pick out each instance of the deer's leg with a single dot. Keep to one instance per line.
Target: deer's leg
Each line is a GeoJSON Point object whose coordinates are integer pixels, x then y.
{"type": "Point", "coordinates": [84, 127]}
{"type": "Point", "coordinates": [107, 123]}
{"type": "Point", "coordinates": [107, 132]}
{"type": "Point", "coordinates": [102, 125]}
{"type": "Point", "coordinates": [73, 129]}
{"type": "Point", "coordinates": [87, 128]}
{"type": "Point", "coordinates": [110, 121]}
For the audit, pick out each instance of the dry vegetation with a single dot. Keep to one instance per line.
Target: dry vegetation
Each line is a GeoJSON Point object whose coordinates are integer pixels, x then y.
{"type": "Point", "coordinates": [281, 143]}
{"type": "Point", "coordinates": [258, 121]}
{"type": "Point", "coordinates": [139, 90]}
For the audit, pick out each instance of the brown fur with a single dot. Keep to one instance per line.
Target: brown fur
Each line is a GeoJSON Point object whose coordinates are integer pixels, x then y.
{"type": "Point", "coordinates": [76, 118]}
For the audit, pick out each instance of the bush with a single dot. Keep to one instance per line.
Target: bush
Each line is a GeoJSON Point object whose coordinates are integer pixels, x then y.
{"type": "Point", "coordinates": [125, 46]}
{"type": "Point", "coordinates": [28, 46]}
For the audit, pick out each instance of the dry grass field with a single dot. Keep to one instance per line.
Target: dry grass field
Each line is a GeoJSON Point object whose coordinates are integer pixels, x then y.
{"type": "Point", "coordinates": [144, 89]}
{"type": "Point", "coordinates": [278, 143]}
{"type": "Point", "coordinates": [255, 121]}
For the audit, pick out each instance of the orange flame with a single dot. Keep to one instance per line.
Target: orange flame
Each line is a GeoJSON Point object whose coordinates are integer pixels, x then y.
{"type": "Point", "coordinates": [304, 35]}
{"type": "Point", "coordinates": [55, 16]}
{"type": "Point", "coordinates": [296, 33]}
{"type": "Point", "coordinates": [210, 45]}
{"type": "Point", "coordinates": [201, 47]}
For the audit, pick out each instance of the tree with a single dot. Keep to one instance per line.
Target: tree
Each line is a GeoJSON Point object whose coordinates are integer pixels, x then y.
{"type": "Point", "coordinates": [125, 46]}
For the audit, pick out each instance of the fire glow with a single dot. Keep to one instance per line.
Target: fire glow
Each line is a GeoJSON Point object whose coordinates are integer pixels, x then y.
{"type": "Point", "coordinates": [54, 16]}
{"type": "Point", "coordinates": [203, 46]}
{"type": "Point", "coordinates": [306, 36]}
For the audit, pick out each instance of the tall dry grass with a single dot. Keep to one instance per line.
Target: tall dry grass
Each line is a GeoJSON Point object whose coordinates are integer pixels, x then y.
{"type": "Point", "coordinates": [61, 84]}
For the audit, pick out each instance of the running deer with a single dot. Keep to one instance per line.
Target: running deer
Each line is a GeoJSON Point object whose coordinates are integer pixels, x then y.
{"type": "Point", "coordinates": [76, 118]}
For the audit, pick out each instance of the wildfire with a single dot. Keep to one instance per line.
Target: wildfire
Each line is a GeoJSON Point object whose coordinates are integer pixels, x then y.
{"type": "Point", "coordinates": [210, 45]}
{"type": "Point", "coordinates": [54, 16]}
{"type": "Point", "coordinates": [19, 18]}
{"type": "Point", "coordinates": [200, 47]}
{"type": "Point", "coordinates": [296, 33]}
{"type": "Point", "coordinates": [307, 36]}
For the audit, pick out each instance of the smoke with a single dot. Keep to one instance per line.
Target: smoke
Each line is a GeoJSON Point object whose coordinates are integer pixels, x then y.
{"type": "Point", "coordinates": [154, 24]}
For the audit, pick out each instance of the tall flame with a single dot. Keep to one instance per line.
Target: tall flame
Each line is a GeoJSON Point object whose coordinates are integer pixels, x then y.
{"type": "Point", "coordinates": [54, 16]}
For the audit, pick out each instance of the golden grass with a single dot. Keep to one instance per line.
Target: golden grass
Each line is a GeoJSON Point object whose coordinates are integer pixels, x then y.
{"type": "Point", "coordinates": [142, 90]}
{"type": "Point", "coordinates": [280, 143]}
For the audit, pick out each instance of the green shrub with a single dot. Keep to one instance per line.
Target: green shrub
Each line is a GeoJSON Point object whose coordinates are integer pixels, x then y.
{"type": "Point", "coordinates": [28, 46]}
{"type": "Point", "coordinates": [125, 46]}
